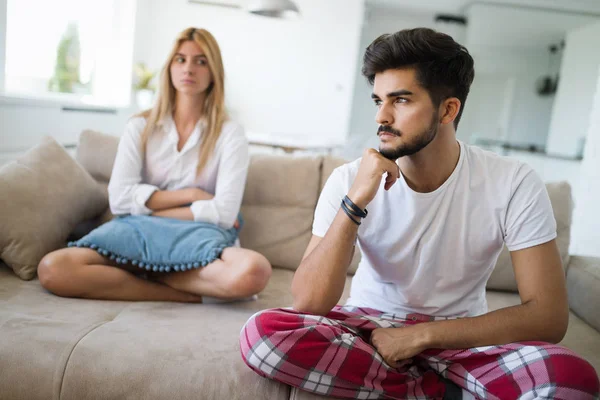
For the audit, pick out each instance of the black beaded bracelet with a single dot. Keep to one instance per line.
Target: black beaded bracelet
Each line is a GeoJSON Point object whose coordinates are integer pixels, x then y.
{"type": "Point", "coordinates": [357, 211]}
{"type": "Point", "coordinates": [349, 213]}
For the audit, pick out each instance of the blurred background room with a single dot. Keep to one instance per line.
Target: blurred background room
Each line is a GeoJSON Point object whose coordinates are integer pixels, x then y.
{"type": "Point", "coordinates": [293, 78]}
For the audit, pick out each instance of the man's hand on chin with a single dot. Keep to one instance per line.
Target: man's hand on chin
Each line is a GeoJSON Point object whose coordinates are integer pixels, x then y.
{"type": "Point", "coordinates": [399, 345]}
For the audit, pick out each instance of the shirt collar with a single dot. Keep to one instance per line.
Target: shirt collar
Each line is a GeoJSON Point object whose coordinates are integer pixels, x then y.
{"type": "Point", "coordinates": [171, 131]}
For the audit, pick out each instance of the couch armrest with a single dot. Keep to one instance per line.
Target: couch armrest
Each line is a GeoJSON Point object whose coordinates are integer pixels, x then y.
{"type": "Point", "coordinates": [583, 286]}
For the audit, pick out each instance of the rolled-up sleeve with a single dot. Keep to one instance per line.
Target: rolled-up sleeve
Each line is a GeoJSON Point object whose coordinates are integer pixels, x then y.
{"type": "Point", "coordinates": [232, 173]}
{"type": "Point", "coordinates": [126, 192]}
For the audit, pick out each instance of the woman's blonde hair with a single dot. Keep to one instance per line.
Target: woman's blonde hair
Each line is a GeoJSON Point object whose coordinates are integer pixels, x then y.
{"type": "Point", "coordinates": [214, 104]}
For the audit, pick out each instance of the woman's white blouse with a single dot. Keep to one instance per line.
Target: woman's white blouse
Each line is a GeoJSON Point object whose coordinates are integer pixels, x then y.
{"type": "Point", "coordinates": [135, 176]}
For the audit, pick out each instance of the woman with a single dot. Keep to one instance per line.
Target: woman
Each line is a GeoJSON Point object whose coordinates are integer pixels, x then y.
{"type": "Point", "coordinates": [182, 159]}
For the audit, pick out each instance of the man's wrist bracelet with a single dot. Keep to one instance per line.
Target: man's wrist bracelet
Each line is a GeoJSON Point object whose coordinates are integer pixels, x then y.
{"type": "Point", "coordinates": [349, 213]}
{"type": "Point", "coordinates": [356, 210]}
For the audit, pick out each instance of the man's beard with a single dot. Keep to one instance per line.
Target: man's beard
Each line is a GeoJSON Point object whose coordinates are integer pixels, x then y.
{"type": "Point", "coordinates": [407, 149]}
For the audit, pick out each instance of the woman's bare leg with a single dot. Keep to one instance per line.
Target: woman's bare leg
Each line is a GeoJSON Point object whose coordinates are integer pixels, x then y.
{"type": "Point", "coordinates": [81, 272]}
{"type": "Point", "coordinates": [238, 273]}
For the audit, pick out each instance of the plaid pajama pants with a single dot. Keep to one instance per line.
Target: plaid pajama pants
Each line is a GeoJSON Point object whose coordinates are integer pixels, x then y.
{"type": "Point", "coordinates": [332, 356]}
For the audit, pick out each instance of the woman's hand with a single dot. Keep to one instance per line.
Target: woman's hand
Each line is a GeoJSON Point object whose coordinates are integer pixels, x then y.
{"type": "Point", "coordinates": [168, 199]}
{"type": "Point", "coordinates": [194, 194]}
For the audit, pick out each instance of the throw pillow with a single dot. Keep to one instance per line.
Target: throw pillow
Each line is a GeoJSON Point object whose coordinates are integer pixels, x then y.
{"type": "Point", "coordinates": [43, 195]}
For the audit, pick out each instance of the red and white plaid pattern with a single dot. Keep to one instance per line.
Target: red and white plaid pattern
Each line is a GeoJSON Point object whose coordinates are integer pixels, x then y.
{"type": "Point", "coordinates": [332, 356]}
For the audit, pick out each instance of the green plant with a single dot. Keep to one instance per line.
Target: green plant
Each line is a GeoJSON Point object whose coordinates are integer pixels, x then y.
{"type": "Point", "coordinates": [144, 77]}
{"type": "Point", "coordinates": [66, 69]}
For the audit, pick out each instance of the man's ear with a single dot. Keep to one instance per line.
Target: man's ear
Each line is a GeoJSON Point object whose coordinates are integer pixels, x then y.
{"type": "Point", "coordinates": [449, 109]}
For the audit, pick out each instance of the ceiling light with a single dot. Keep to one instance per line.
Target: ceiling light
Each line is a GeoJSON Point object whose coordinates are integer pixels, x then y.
{"type": "Point", "coordinates": [265, 8]}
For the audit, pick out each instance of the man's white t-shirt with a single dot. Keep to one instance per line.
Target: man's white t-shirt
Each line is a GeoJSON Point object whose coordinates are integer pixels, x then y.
{"type": "Point", "coordinates": [432, 253]}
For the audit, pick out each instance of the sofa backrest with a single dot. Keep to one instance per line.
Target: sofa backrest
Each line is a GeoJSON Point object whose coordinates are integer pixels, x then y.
{"type": "Point", "coordinates": [278, 207]}
{"type": "Point", "coordinates": [96, 152]}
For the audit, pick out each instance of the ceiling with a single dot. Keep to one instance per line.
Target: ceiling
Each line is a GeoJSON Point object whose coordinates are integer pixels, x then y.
{"type": "Point", "coordinates": [460, 6]}
{"type": "Point", "coordinates": [505, 23]}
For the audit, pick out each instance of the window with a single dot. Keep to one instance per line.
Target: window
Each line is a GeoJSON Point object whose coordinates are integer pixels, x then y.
{"type": "Point", "coordinates": [77, 50]}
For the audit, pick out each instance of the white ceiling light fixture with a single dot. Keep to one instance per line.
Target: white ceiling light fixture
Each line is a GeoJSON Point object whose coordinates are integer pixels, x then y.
{"type": "Point", "coordinates": [266, 8]}
{"type": "Point", "coordinates": [273, 8]}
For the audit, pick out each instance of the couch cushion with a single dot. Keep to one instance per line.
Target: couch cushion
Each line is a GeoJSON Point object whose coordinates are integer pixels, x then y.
{"type": "Point", "coordinates": [583, 287]}
{"type": "Point", "coordinates": [96, 152]}
{"type": "Point", "coordinates": [145, 350]}
{"type": "Point", "coordinates": [38, 332]}
{"type": "Point", "coordinates": [153, 349]}
{"type": "Point", "coordinates": [162, 350]}
{"type": "Point", "coordinates": [279, 201]}
{"type": "Point", "coordinates": [43, 195]}
{"type": "Point", "coordinates": [73, 347]}
{"type": "Point", "coordinates": [503, 277]}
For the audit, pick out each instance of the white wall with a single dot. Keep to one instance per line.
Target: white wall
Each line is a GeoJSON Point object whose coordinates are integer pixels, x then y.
{"type": "Point", "coordinates": [22, 125]}
{"type": "Point", "coordinates": [486, 116]}
{"type": "Point", "coordinates": [549, 169]}
{"type": "Point", "coordinates": [571, 116]}
{"type": "Point", "coordinates": [503, 25]}
{"type": "Point", "coordinates": [3, 17]}
{"type": "Point", "coordinates": [519, 52]}
{"type": "Point", "coordinates": [522, 116]}
{"type": "Point", "coordinates": [289, 77]}
{"type": "Point", "coordinates": [586, 224]}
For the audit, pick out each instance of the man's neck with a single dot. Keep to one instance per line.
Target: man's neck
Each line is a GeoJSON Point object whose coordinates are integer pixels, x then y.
{"type": "Point", "coordinates": [428, 169]}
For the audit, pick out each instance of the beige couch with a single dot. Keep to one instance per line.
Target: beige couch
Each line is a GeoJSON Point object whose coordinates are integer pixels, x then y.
{"type": "Point", "coordinates": [60, 348]}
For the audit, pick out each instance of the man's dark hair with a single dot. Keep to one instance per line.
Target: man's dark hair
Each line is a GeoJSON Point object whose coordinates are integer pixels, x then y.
{"type": "Point", "coordinates": [443, 67]}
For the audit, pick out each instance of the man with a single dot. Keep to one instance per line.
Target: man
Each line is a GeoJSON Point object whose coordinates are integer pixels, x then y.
{"type": "Point", "coordinates": [430, 215]}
